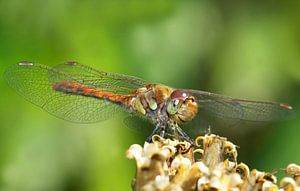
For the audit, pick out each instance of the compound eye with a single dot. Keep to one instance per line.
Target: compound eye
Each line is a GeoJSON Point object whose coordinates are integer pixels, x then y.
{"type": "Point", "coordinates": [179, 94]}
{"type": "Point", "coordinates": [176, 102]}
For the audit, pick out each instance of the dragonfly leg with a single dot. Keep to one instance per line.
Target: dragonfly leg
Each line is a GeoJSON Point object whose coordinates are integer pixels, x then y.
{"type": "Point", "coordinates": [184, 135]}
{"type": "Point", "coordinates": [162, 131]}
{"type": "Point", "coordinates": [173, 132]}
{"type": "Point", "coordinates": [159, 129]}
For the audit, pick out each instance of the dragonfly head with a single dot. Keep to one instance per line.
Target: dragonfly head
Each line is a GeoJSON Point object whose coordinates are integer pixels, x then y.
{"type": "Point", "coordinates": [182, 106]}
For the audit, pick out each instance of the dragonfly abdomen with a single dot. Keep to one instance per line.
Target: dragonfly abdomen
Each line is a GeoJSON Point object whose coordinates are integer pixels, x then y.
{"type": "Point", "coordinates": [79, 89]}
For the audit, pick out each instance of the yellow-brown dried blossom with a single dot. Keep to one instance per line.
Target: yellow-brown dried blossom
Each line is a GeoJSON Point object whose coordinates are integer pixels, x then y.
{"type": "Point", "coordinates": [210, 164]}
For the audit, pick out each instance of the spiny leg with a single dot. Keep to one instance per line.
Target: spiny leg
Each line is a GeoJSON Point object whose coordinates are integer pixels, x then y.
{"type": "Point", "coordinates": [174, 132]}
{"type": "Point", "coordinates": [165, 131]}
{"type": "Point", "coordinates": [158, 130]}
{"type": "Point", "coordinates": [162, 131]}
{"type": "Point", "coordinates": [184, 135]}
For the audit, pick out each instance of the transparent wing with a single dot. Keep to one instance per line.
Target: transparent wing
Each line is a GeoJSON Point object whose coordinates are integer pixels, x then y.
{"type": "Point", "coordinates": [228, 108]}
{"type": "Point", "coordinates": [104, 81]}
{"type": "Point", "coordinates": [34, 82]}
{"type": "Point", "coordinates": [139, 124]}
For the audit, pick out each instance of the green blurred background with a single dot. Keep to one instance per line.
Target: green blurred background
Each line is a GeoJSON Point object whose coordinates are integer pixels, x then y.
{"type": "Point", "coordinates": [247, 49]}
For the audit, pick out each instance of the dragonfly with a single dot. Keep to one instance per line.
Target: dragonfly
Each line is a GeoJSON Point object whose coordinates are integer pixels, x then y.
{"type": "Point", "coordinates": [82, 94]}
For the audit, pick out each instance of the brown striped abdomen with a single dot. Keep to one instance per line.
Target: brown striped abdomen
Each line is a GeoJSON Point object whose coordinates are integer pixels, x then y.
{"type": "Point", "coordinates": [76, 88]}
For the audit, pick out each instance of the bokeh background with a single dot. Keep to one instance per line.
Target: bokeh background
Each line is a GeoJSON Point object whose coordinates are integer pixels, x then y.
{"type": "Point", "coordinates": [247, 49]}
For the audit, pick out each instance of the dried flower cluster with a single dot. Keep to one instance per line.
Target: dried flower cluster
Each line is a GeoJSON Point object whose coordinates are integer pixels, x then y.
{"type": "Point", "coordinates": [210, 164]}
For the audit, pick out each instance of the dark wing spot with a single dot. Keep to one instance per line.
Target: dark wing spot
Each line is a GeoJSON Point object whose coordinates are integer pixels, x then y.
{"type": "Point", "coordinates": [72, 63]}
{"type": "Point", "coordinates": [286, 106]}
{"type": "Point", "coordinates": [25, 63]}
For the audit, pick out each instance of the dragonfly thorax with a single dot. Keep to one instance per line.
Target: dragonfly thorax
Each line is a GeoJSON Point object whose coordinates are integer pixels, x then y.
{"type": "Point", "coordinates": [159, 101]}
